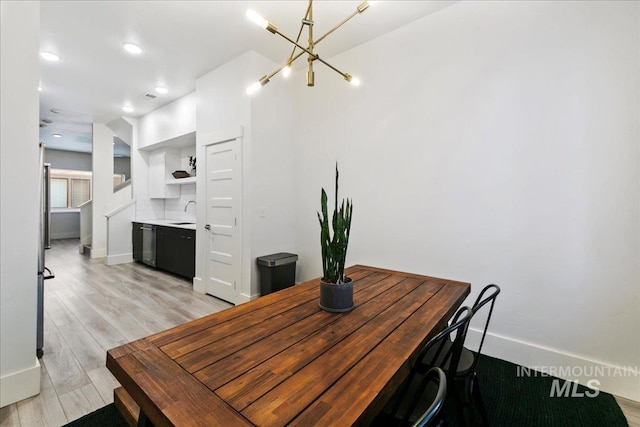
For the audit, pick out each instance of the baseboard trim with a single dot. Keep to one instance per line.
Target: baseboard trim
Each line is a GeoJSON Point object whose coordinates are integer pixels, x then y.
{"type": "Point", "coordinates": [67, 235]}
{"type": "Point", "coordinates": [119, 259]}
{"type": "Point", "coordinates": [246, 298]}
{"type": "Point", "coordinates": [20, 385]}
{"type": "Point", "coordinates": [198, 285]}
{"type": "Point", "coordinates": [98, 253]}
{"type": "Point", "coordinates": [619, 380]}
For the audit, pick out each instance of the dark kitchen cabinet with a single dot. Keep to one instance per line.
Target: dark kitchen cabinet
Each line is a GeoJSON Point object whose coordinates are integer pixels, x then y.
{"type": "Point", "coordinates": [176, 250]}
{"type": "Point", "coordinates": [137, 241]}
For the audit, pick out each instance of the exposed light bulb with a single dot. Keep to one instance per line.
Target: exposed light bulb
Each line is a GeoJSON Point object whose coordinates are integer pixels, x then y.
{"type": "Point", "coordinates": [256, 18]}
{"type": "Point", "coordinates": [254, 87]}
{"type": "Point", "coordinates": [286, 71]}
{"type": "Point", "coordinates": [257, 85]}
{"type": "Point", "coordinates": [132, 48]}
{"type": "Point", "coordinates": [49, 56]}
{"type": "Point", "coordinates": [364, 6]}
{"type": "Point", "coordinates": [353, 80]}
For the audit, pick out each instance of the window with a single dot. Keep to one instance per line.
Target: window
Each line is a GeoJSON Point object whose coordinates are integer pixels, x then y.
{"type": "Point", "coordinates": [118, 178]}
{"type": "Point", "coordinates": [69, 188]}
{"type": "Point", "coordinates": [58, 192]}
{"type": "Point", "coordinates": [80, 191]}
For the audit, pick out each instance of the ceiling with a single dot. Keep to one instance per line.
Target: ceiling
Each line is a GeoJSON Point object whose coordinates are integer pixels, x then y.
{"type": "Point", "coordinates": [182, 41]}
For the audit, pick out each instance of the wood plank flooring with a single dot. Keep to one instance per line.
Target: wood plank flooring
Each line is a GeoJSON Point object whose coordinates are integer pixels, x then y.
{"type": "Point", "coordinates": [90, 308]}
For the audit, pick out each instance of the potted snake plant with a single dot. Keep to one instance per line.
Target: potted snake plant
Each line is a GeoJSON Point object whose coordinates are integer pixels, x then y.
{"type": "Point", "coordinates": [336, 290]}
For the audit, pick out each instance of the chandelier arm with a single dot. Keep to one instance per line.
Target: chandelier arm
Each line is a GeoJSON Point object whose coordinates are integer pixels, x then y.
{"type": "Point", "coordinates": [310, 73]}
{"type": "Point", "coordinates": [289, 62]}
{"type": "Point", "coordinates": [308, 20]}
{"type": "Point", "coordinates": [344, 21]}
{"type": "Point", "coordinates": [299, 34]}
{"type": "Point", "coordinates": [304, 49]}
{"type": "Point", "coordinates": [345, 75]}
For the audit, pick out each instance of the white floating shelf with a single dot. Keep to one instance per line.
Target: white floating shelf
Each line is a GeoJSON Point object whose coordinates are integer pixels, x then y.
{"type": "Point", "coordinates": [190, 180]}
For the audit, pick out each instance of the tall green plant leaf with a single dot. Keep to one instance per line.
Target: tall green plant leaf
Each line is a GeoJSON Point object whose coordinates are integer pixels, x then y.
{"type": "Point", "coordinates": [334, 248]}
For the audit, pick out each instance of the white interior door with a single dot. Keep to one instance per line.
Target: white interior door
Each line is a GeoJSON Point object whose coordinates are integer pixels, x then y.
{"type": "Point", "coordinates": [224, 207]}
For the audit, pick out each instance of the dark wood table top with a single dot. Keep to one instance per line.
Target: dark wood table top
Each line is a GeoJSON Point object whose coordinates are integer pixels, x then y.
{"type": "Point", "coordinates": [281, 360]}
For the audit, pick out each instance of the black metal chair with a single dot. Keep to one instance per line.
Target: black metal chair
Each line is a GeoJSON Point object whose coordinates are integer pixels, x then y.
{"type": "Point", "coordinates": [466, 367]}
{"type": "Point", "coordinates": [413, 399]}
{"type": "Point", "coordinates": [438, 401]}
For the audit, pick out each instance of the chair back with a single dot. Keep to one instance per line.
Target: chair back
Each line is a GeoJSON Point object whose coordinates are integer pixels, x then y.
{"type": "Point", "coordinates": [487, 297]}
{"type": "Point", "coordinates": [438, 400]}
{"type": "Point", "coordinates": [444, 347]}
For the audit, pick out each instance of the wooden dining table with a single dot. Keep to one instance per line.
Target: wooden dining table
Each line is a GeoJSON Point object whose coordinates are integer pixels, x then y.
{"type": "Point", "coordinates": [280, 360]}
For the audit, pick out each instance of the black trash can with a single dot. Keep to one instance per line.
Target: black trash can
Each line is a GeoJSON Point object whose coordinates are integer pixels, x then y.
{"type": "Point", "coordinates": [277, 271]}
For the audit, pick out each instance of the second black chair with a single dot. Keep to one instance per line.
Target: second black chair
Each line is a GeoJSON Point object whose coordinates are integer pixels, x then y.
{"type": "Point", "coordinates": [466, 367]}
{"type": "Point", "coordinates": [413, 397]}
{"type": "Point", "coordinates": [428, 417]}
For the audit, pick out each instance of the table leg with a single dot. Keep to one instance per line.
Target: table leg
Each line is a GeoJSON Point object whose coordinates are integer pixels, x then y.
{"type": "Point", "coordinates": [143, 421]}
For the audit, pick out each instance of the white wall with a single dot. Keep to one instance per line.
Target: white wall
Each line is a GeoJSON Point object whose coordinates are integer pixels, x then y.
{"type": "Point", "coordinates": [494, 142]}
{"type": "Point", "coordinates": [171, 121]}
{"type": "Point", "coordinates": [122, 165]}
{"type": "Point", "coordinates": [72, 160]}
{"type": "Point", "coordinates": [153, 131]}
{"type": "Point", "coordinates": [19, 204]}
{"type": "Point", "coordinates": [65, 225]}
{"type": "Point", "coordinates": [102, 192]}
{"type": "Point", "coordinates": [272, 205]}
{"type": "Point", "coordinates": [267, 156]}
{"type": "Point", "coordinates": [146, 208]}
{"type": "Point", "coordinates": [119, 237]}
{"type": "Point", "coordinates": [175, 208]}
{"type": "Point", "coordinates": [86, 224]}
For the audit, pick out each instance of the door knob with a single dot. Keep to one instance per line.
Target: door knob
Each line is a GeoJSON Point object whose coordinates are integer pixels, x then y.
{"type": "Point", "coordinates": [207, 227]}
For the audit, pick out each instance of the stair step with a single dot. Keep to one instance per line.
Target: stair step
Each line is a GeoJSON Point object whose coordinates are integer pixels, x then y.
{"type": "Point", "coordinates": [86, 250]}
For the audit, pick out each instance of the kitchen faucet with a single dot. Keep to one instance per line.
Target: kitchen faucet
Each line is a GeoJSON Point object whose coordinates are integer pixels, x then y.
{"type": "Point", "coordinates": [187, 205]}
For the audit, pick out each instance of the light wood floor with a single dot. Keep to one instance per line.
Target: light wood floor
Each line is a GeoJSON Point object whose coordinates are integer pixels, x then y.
{"type": "Point", "coordinates": [631, 410]}
{"type": "Point", "coordinates": [90, 308]}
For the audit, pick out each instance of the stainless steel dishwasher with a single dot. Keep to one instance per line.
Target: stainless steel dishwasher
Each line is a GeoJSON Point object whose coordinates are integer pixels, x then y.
{"type": "Point", "coordinates": [149, 244]}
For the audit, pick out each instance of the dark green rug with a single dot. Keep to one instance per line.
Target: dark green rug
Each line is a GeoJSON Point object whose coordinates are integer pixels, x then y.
{"type": "Point", "coordinates": [523, 401]}
{"type": "Point", "coordinates": [511, 400]}
{"type": "Point", "coordinates": [107, 416]}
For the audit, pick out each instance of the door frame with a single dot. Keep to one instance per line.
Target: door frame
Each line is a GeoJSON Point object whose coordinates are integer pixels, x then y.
{"type": "Point", "coordinates": [203, 140]}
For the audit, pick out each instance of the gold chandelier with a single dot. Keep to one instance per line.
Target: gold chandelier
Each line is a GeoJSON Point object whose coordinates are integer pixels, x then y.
{"type": "Point", "coordinates": [309, 49]}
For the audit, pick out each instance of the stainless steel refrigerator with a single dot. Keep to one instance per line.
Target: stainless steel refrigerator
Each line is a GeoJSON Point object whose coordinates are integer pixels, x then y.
{"type": "Point", "coordinates": [44, 243]}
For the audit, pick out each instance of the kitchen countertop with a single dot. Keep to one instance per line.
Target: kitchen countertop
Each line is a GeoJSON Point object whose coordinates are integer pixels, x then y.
{"type": "Point", "coordinates": [169, 223]}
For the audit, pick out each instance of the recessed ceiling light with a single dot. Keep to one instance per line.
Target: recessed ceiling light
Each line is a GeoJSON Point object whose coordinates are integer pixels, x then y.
{"type": "Point", "coordinates": [161, 90]}
{"type": "Point", "coordinates": [48, 121]}
{"type": "Point", "coordinates": [56, 135]}
{"type": "Point", "coordinates": [127, 108]}
{"type": "Point", "coordinates": [49, 56]}
{"type": "Point", "coordinates": [54, 111]}
{"type": "Point", "coordinates": [39, 88]}
{"type": "Point", "coordinates": [132, 48]}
